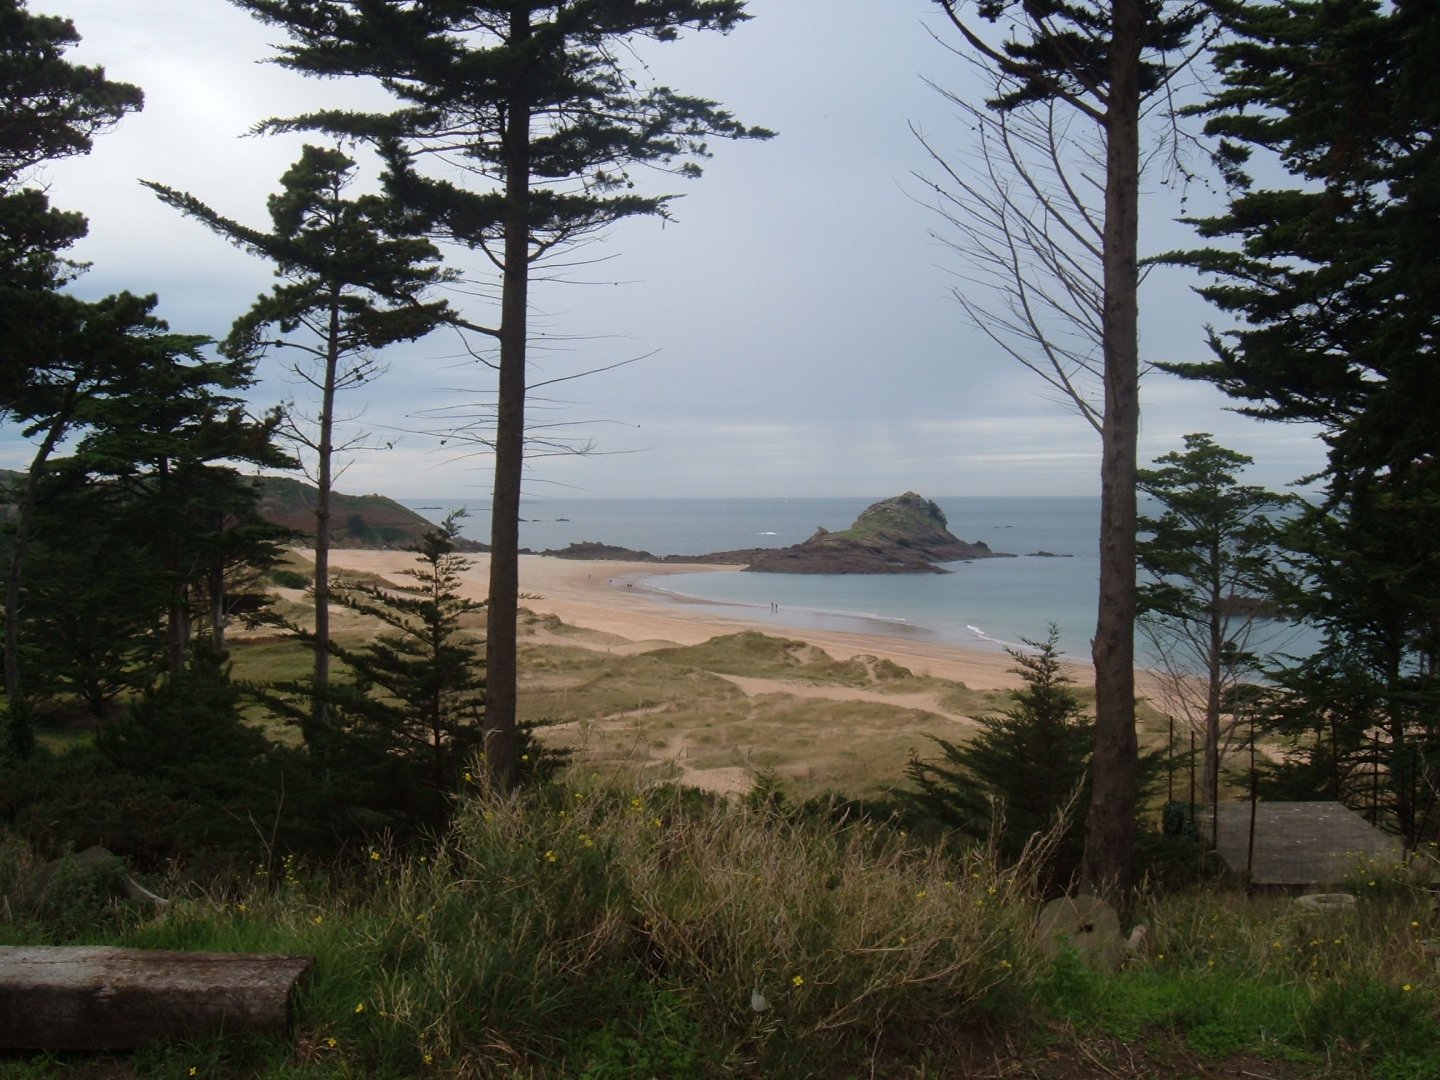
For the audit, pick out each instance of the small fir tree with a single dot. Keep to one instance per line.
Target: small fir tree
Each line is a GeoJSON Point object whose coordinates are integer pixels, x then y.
{"type": "Point", "coordinates": [399, 738]}
{"type": "Point", "coordinates": [1024, 775]}
{"type": "Point", "coordinates": [188, 743]}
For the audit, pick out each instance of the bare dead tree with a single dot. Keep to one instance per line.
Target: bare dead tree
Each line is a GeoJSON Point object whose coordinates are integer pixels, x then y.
{"type": "Point", "coordinates": [1050, 219]}
{"type": "Point", "coordinates": [1022, 215]}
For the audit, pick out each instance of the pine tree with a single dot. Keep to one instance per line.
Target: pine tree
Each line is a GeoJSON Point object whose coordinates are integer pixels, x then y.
{"type": "Point", "coordinates": [1334, 280]}
{"type": "Point", "coordinates": [92, 625]}
{"type": "Point", "coordinates": [169, 436]}
{"type": "Point", "coordinates": [356, 271]}
{"type": "Point", "coordinates": [84, 352]}
{"type": "Point", "coordinates": [49, 109]}
{"type": "Point", "coordinates": [1360, 712]}
{"type": "Point", "coordinates": [1336, 290]}
{"type": "Point", "coordinates": [400, 735]}
{"type": "Point", "coordinates": [1025, 775]}
{"type": "Point", "coordinates": [1208, 561]}
{"type": "Point", "coordinates": [530, 100]}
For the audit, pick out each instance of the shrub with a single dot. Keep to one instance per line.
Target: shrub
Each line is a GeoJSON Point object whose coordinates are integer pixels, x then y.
{"type": "Point", "coordinates": [1021, 776]}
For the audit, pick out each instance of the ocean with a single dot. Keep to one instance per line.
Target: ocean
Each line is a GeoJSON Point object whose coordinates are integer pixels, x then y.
{"type": "Point", "coordinates": [990, 603]}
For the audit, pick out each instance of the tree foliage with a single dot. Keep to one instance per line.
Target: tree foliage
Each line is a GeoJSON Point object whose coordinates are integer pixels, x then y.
{"type": "Point", "coordinates": [1333, 280]}
{"type": "Point", "coordinates": [355, 273]}
{"type": "Point", "coordinates": [404, 727]}
{"type": "Point", "coordinates": [1334, 285]}
{"type": "Point", "coordinates": [1021, 782]}
{"type": "Point", "coordinates": [49, 108]}
{"type": "Point", "coordinates": [1208, 566]}
{"type": "Point", "coordinates": [1359, 713]}
{"type": "Point", "coordinates": [534, 109]}
{"type": "Point", "coordinates": [91, 625]}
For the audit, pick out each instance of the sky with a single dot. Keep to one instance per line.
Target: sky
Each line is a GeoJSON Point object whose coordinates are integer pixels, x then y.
{"type": "Point", "coordinates": [790, 333]}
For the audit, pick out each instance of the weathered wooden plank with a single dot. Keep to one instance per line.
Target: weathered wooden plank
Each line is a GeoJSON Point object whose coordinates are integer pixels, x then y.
{"type": "Point", "coordinates": [1300, 844]}
{"type": "Point", "coordinates": [99, 998]}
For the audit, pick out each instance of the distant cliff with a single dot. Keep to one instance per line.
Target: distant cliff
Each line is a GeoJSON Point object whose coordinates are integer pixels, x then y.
{"type": "Point", "coordinates": [904, 535]}
{"type": "Point", "coordinates": [356, 521]}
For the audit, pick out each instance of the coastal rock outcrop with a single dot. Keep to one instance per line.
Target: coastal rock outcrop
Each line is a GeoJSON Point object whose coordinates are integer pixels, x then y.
{"type": "Point", "coordinates": [904, 535]}
{"type": "Point", "coordinates": [595, 551]}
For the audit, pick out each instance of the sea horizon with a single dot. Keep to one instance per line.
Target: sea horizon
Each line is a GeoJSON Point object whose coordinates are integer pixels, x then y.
{"type": "Point", "coordinates": [987, 604]}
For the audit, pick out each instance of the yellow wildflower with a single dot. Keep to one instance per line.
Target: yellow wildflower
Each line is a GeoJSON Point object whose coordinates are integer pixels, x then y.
{"type": "Point", "coordinates": [798, 980]}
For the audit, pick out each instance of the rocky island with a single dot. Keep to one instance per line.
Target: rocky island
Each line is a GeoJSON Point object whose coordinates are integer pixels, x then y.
{"type": "Point", "coordinates": [904, 535]}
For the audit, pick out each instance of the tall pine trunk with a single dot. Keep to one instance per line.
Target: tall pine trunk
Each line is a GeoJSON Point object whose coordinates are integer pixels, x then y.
{"type": "Point", "coordinates": [324, 478]}
{"type": "Point", "coordinates": [501, 648]}
{"type": "Point", "coordinates": [1110, 823]}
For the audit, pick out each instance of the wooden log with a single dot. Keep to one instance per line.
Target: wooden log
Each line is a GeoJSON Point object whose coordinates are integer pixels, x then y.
{"type": "Point", "coordinates": [97, 998]}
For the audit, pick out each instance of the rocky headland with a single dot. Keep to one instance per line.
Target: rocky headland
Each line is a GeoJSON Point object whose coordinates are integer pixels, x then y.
{"type": "Point", "coordinates": [356, 521]}
{"type": "Point", "coordinates": [904, 535]}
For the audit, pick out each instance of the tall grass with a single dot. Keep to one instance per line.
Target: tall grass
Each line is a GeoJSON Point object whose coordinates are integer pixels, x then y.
{"type": "Point", "coordinates": [594, 931]}
{"type": "Point", "coordinates": [597, 931]}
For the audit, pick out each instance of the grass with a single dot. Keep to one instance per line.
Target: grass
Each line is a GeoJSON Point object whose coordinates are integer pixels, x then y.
{"type": "Point", "coordinates": [588, 928]}
{"type": "Point", "coordinates": [597, 930]}
{"type": "Point", "coordinates": [675, 711]}
{"type": "Point", "coordinates": [620, 926]}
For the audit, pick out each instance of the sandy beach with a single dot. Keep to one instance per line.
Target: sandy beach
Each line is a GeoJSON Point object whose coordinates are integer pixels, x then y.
{"type": "Point", "coordinates": [605, 597]}
{"type": "Point", "coordinates": [718, 728]}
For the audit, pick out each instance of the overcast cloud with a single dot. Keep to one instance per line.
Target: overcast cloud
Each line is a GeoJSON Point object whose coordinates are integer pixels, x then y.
{"type": "Point", "coordinates": [795, 323]}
